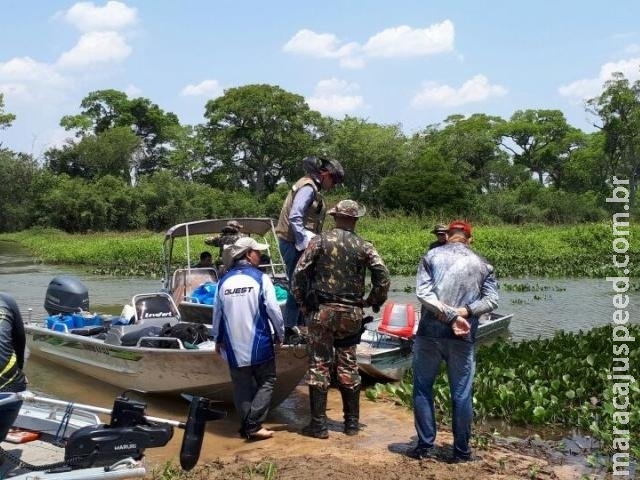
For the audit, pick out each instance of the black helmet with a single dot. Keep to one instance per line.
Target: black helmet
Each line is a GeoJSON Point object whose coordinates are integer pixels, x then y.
{"type": "Point", "coordinates": [311, 164]}
{"type": "Point", "coordinates": [335, 169]}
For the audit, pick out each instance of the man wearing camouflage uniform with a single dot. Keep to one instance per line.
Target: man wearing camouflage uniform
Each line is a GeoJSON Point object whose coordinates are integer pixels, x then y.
{"type": "Point", "coordinates": [329, 285]}
{"type": "Point", "coordinates": [230, 233]}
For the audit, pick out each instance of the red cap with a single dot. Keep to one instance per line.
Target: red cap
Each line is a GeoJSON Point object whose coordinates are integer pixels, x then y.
{"type": "Point", "coordinates": [461, 225]}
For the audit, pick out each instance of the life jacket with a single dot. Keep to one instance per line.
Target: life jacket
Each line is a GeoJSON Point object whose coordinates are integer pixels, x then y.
{"type": "Point", "coordinates": [12, 378]}
{"type": "Point", "coordinates": [313, 217]}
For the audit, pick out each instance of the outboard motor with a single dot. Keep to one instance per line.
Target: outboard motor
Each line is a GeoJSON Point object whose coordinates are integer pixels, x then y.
{"type": "Point", "coordinates": [200, 412]}
{"type": "Point", "coordinates": [128, 435]}
{"type": "Point", "coordinates": [66, 294]}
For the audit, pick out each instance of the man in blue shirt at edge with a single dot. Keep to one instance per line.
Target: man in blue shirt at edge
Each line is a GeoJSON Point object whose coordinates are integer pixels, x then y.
{"type": "Point", "coordinates": [455, 286]}
{"type": "Point", "coordinates": [246, 319]}
{"type": "Point", "coordinates": [301, 218]}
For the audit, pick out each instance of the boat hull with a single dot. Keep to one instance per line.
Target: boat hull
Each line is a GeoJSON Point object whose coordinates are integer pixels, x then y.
{"type": "Point", "coordinates": [386, 358]}
{"type": "Point", "coordinates": [199, 372]}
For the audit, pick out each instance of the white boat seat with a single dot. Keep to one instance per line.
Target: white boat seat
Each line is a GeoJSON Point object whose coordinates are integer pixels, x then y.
{"type": "Point", "coordinates": [185, 280]}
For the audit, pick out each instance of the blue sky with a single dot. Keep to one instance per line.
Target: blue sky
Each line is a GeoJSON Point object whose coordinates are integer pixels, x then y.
{"type": "Point", "coordinates": [391, 62]}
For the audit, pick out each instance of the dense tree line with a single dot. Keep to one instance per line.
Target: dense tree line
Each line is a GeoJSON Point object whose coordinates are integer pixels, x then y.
{"type": "Point", "coordinates": [131, 165]}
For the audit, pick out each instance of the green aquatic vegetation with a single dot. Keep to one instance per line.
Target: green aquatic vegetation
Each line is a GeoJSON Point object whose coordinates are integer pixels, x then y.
{"type": "Point", "coordinates": [514, 251]}
{"type": "Point", "coordinates": [528, 287]}
{"type": "Point", "coordinates": [559, 382]}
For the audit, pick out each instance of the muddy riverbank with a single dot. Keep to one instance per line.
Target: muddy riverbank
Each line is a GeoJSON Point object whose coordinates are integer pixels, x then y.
{"type": "Point", "coordinates": [376, 453]}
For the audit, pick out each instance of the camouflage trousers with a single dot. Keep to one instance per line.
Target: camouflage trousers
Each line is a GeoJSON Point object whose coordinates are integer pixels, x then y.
{"type": "Point", "coordinates": [333, 321]}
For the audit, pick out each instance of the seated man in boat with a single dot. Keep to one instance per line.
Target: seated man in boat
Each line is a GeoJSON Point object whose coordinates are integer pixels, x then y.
{"type": "Point", "coordinates": [206, 260]}
{"type": "Point", "coordinates": [246, 320]}
{"type": "Point", "coordinates": [440, 231]}
{"type": "Point", "coordinates": [12, 348]}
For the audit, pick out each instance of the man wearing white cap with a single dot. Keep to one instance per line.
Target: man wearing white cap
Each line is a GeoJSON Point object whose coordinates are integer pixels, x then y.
{"type": "Point", "coordinates": [245, 320]}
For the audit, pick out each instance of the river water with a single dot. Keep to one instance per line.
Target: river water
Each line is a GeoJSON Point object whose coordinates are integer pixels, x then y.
{"type": "Point", "coordinates": [540, 307]}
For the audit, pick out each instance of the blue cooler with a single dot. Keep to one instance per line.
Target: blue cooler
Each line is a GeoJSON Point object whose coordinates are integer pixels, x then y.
{"type": "Point", "coordinates": [58, 322]}
{"type": "Point", "coordinates": [86, 320]}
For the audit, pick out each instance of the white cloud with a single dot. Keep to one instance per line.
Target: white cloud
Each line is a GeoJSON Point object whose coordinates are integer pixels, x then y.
{"type": "Point", "coordinates": [395, 42]}
{"type": "Point", "coordinates": [335, 97]}
{"type": "Point", "coordinates": [477, 89]}
{"type": "Point", "coordinates": [308, 42]}
{"type": "Point", "coordinates": [95, 48]}
{"type": "Point", "coordinates": [132, 91]}
{"type": "Point", "coordinates": [15, 90]}
{"type": "Point", "coordinates": [585, 88]}
{"type": "Point", "coordinates": [87, 17]}
{"type": "Point", "coordinates": [632, 49]}
{"type": "Point", "coordinates": [24, 78]}
{"type": "Point", "coordinates": [56, 137]}
{"type": "Point", "coordinates": [404, 41]}
{"type": "Point", "coordinates": [324, 45]}
{"type": "Point", "coordinates": [208, 88]}
{"type": "Point", "coordinates": [26, 68]}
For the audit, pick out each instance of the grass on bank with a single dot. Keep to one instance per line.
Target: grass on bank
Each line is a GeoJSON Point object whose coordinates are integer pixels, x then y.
{"type": "Point", "coordinates": [530, 250]}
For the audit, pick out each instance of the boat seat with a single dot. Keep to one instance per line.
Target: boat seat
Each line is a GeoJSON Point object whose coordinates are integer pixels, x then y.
{"type": "Point", "coordinates": [398, 320]}
{"type": "Point", "coordinates": [88, 331]}
{"type": "Point", "coordinates": [185, 280]}
{"type": "Point", "coordinates": [116, 333]}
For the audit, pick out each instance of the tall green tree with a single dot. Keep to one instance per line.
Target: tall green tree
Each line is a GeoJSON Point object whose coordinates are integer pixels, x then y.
{"type": "Point", "coordinates": [586, 169]}
{"type": "Point", "coordinates": [541, 140]}
{"type": "Point", "coordinates": [6, 119]}
{"type": "Point", "coordinates": [108, 152]}
{"type": "Point", "coordinates": [103, 110]}
{"type": "Point", "coordinates": [471, 144]}
{"type": "Point", "coordinates": [618, 107]}
{"type": "Point", "coordinates": [18, 172]}
{"type": "Point", "coordinates": [369, 152]}
{"type": "Point", "coordinates": [428, 184]}
{"type": "Point", "coordinates": [257, 134]}
{"type": "Point", "coordinates": [187, 158]}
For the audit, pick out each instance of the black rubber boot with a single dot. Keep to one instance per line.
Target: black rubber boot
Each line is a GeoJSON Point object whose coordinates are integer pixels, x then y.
{"type": "Point", "coordinates": [317, 428]}
{"type": "Point", "coordinates": [351, 409]}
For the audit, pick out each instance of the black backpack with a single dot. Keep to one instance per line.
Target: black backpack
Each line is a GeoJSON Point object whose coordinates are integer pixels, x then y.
{"type": "Point", "coordinates": [186, 332]}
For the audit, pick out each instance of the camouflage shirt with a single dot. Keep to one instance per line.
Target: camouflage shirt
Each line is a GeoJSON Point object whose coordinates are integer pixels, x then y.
{"type": "Point", "coordinates": [334, 267]}
{"type": "Point", "coordinates": [224, 239]}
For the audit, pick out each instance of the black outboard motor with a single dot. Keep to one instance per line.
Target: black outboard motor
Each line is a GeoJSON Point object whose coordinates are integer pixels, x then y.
{"type": "Point", "coordinates": [200, 412]}
{"type": "Point", "coordinates": [128, 435]}
{"type": "Point", "coordinates": [66, 294]}
{"type": "Point", "coordinates": [130, 432]}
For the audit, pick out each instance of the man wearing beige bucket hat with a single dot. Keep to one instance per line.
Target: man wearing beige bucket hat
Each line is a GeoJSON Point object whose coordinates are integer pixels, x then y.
{"type": "Point", "coordinates": [329, 284]}
{"type": "Point", "coordinates": [230, 233]}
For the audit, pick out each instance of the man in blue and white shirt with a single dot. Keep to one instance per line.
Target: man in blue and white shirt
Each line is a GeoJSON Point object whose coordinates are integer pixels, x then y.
{"type": "Point", "coordinates": [246, 322]}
